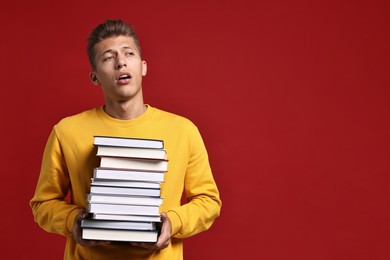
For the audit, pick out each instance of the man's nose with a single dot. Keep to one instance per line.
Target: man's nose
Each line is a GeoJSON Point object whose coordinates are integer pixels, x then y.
{"type": "Point", "coordinates": [121, 62]}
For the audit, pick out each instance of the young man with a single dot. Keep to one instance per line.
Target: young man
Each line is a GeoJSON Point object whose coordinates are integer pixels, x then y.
{"type": "Point", "coordinates": [70, 157]}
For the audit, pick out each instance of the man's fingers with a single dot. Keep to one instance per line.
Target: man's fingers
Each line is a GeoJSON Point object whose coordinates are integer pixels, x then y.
{"type": "Point", "coordinates": [85, 242]}
{"type": "Point", "coordinates": [144, 245]}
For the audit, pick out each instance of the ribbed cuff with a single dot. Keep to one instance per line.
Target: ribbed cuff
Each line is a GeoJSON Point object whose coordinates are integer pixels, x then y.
{"type": "Point", "coordinates": [175, 221]}
{"type": "Point", "coordinates": [70, 220]}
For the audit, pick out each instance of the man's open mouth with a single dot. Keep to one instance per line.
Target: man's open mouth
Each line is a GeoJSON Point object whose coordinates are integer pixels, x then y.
{"type": "Point", "coordinates": [124, 77]}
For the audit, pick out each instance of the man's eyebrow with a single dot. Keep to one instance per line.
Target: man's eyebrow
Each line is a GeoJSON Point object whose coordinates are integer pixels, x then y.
{"type": "Point", "coordinates": [129, 48]}
{"type": "Point", "coordinates": [132, 48]}
{"type": "Point", "coordinates": [113, 51]}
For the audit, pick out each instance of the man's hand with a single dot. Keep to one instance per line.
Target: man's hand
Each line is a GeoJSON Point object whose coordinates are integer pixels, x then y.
{"type": "Point", "coordinates": [77, 231]}
{"type": "Point", "coordinates": [163, 240]}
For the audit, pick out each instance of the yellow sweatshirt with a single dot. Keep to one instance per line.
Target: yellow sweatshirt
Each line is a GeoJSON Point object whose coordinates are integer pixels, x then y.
{"type": "Point", "coordinates": [70, 157]}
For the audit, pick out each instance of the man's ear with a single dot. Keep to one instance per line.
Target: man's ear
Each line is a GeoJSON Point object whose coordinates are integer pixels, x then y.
{"type": "Point", "coordinates": [144, 68]}
{"type": "Point", "coordinates": [94, 78]}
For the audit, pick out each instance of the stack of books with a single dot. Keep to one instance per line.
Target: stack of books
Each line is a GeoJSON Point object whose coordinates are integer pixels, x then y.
{"type": "Point", "coordinates": [125, 193]}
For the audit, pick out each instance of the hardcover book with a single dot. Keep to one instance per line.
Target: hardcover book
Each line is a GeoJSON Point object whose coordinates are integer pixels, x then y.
{"type": "Point", "coordinates": [125, 191]}
{"type": "Point", "coordinates": [120, 235]}
{"type": "Point", "coordinates": [125, 200]}
{"type": "Point", "coordinates": [128, 175]}
{"type": "Point", "coordinates": [124, 225]}
{"type": "Point", "coordinates": [123, 209]}
{"type": "Point", "coordinates": [131, 152]}
{"type": "Point", "coordinates": [123, 217]}
{"type": "Point", "coordinates": [134, 163]}
{"type": "Point", "coordinates": [120, 183]}
{"type": "Point", "coordinates": [128, 142]}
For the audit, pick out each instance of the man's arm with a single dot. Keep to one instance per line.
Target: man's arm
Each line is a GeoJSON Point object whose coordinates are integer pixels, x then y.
{"type": "Point", "coordinates": [49, 207]}
{"type": "Point", "coordinates": [203, 202]}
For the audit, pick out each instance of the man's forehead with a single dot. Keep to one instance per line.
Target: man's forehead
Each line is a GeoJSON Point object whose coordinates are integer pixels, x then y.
{"type": "Point", "coordinates": [116, 43]}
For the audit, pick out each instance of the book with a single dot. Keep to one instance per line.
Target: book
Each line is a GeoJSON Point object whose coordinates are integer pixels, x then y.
{"type": "Point", "coordinates": [122, 217]}
{"type": "Point", "coordinates": [125, 225]}
{"type": "Point", "coordinates": [125, 191]}
{"type": "Point", "coordinates": [128, 175]}
{"type": "Point", "coordinates": [131, 152]}
{"type": "Point", "coordinates": [128, 142]}
{"type": "Point", "coordinates": [120, 183]}
{"type": "Point", "coordinates": [125, 194]}
{"type": "Point", "coordinates": [123, 209]}
{"type": "Point", "coordinates": [126, 200]}
{"type": "Point", "coordinates": [120, 235]}
{"type": "Point", "coordinates": [133, 163]}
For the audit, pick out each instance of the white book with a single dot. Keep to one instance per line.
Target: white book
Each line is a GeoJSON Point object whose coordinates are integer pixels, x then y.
{"type": "Point", "coordinates": [134, 163]}
{"type": "Point", "coordinates": [121, 183]}
{"type": "Point", "coordinates": [123, 209]}
{"type": "Point", "coordinates": [128, 175]}
{"type": "Point", "coordinates": [125, 200]}
{"type": "Point", "coordinates": [128, 142]}
{"type": "Point", "coordinates": [125, 191]}
{"type": "Point", "coordinates": [125, 225]}
{"type": "Point", "coordinates": [131, 152]}
{"type": "Point", "coordinates": [121, 217]}
{"type": "Point", "coordinates": [119, 235]}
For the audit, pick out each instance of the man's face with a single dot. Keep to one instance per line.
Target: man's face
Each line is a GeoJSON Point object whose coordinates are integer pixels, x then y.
{"type": "Point", "coordinates": [119, 69]}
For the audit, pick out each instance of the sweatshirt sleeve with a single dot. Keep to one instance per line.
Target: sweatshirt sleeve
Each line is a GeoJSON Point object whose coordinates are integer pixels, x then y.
{"type": "Point", "coordinates": [49, 206]}
{"type": "Point", "coordinates": [203, 201]}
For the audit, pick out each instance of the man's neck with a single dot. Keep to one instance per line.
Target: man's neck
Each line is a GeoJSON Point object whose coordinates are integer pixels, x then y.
{"type": "Point", "coordinates": [125, 110]}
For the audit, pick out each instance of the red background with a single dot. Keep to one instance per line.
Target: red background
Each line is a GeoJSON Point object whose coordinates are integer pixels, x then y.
{"type": "Point", "coordinates": [291, 97]}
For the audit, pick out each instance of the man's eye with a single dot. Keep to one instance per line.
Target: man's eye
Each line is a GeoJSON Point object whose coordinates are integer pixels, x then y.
{"type": "Point", "coordinates": [108, 58]}
{"type": "Point", "coordinates": [130, 53]}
